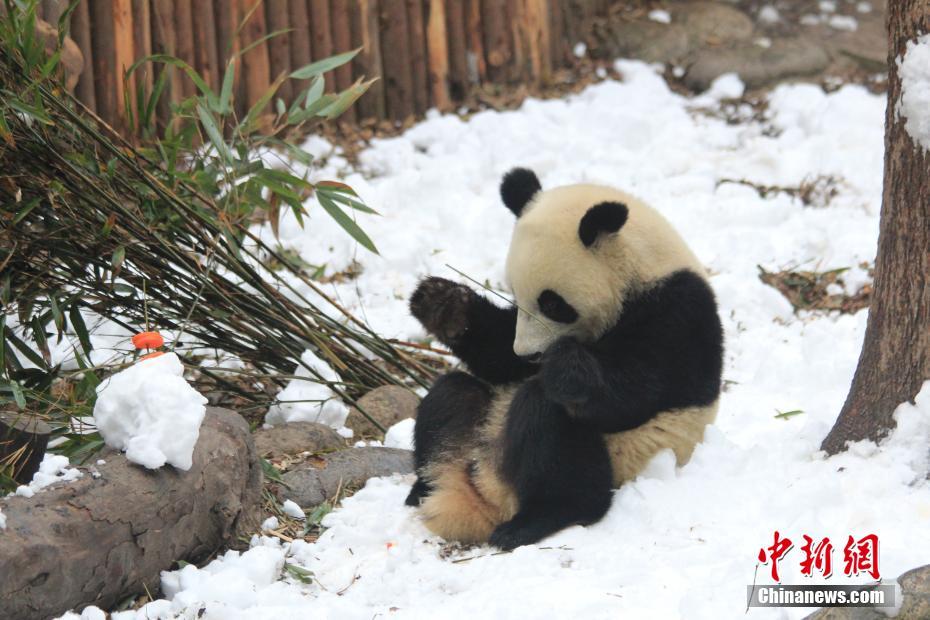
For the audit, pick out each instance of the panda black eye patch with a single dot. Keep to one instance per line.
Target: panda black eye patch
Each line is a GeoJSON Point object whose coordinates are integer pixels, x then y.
{"type": "Point", "coordinates": [554, 307]}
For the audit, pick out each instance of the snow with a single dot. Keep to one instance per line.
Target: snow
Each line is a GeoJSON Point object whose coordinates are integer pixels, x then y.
{"type": "Point", "coordinates": [843, 22]}
{"type": "Point", "coordinates": [150, 411]}
{"type": "Point", "coordinates": [292, 510]}
{"type": "Point", "coordinates": [53, 468]}
{"type": "Point", "coordinates": [400, 435]}
{"type": "Point", "coordinates": [271, 523]}
{"type": "Point", "coordinates": [677, 542]}
{"type": "Point", "coordinates": [309, 401]}
{"type": "Point", "coordinates": [2, 521]}
{"type": "Point", "coordinates": [580, 50]}
{"type": "Point", "coordinates": [727, 86]}
{"type": "Point", "coordinates": [768, 14]}
{"type": "Point", "coordinates": [914, 105]}
{"type": "Point", "coordinates": [864, 7]}
{"type": "Point", "coordinates": [660, 15]}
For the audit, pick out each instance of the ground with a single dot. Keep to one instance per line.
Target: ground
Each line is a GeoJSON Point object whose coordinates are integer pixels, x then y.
{"type": "Point", "coordinates": [677, 542]}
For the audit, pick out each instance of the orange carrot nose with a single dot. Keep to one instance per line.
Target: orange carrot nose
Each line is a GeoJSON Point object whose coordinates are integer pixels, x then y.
{"type": "Point", "coordinates": [148, 340]}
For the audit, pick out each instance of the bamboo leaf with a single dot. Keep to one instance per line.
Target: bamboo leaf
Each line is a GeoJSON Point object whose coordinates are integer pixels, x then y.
{"type": "Point", "coordinates": [322, 66]}
{"type": "Point", "coordinates": [80, 328]}
{"type": "Point", "coordinates": [347, 223]}
{"type": "Point", "coordinates": [216, 137]}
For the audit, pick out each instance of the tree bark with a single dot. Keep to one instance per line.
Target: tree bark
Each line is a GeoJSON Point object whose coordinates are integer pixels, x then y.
{"type": "Point", "coordinates": [895, 358]}
{"type": "Point", "coordinates": [98, 540]}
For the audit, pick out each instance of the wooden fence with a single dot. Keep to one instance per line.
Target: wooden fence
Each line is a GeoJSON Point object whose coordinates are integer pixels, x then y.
{"type": "Point", "coordinates": [428, 53]}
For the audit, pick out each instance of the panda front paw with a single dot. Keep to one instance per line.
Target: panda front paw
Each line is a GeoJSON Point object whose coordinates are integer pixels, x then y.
{"type": "Point", "coordinates": [570, 373]}
{"type": "Point", "coordinates": [441, 306]}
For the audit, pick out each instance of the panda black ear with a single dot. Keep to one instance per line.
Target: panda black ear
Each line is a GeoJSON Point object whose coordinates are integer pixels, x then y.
{"type": "Point", "coordinates": [518, 187]}
{"type": "Point", "coordinates": [601, 219]}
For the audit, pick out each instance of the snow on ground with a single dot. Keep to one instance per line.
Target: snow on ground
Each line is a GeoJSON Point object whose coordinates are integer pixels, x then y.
{"type": "Point", "coordinates": [152, 412]}
{"type": "Point", "coordinates": [914, 105]}
{"type": "Point", "coordinates": [678, 542]}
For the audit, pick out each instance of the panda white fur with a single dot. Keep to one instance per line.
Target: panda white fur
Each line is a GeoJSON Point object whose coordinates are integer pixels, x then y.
{"type": "Point", "coordinates": [612, 352]}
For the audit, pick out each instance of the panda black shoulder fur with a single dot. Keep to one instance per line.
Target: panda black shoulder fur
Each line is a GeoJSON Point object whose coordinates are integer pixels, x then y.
{"type": "Point", "coordinates": [614, 354]}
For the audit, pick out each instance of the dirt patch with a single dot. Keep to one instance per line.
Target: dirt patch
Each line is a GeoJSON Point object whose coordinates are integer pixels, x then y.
{"type": "Point", "coordinates": [817, 291]}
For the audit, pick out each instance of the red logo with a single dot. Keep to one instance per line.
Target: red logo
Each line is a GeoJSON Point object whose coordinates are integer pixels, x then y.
{"type": "Point", "coordinates": [859, 556]}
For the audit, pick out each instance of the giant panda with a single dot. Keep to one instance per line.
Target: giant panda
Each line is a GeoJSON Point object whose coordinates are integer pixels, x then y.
{"type": "Point", "coordinates": [611, 352]}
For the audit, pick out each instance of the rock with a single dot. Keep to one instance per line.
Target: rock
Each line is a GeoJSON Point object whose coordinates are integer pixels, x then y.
{"type": "Point", "coordinates": [296, 437]}
{"type": "Point", "coordinates": [100, 540]}
{"type": "Point", "coordinates": [755, 65]}
{"type": "Point", "coordinates": [72, 60]}
{"type": "Point", "coordinates": [694, 25]}
{"type": "Point", "coordinates": [915, 590]}
{"type": "Point", "coordinates": [388, 404]}
{"type": "Point", "coordinates": [311, 486]}
{"type": "Point", "coordinates": [712, 23]}
{"type": "Point", "coordinates": [645, 40]}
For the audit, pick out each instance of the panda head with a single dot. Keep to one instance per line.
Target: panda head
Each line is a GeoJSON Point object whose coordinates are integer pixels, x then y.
{"type": "Point", "coordinates": [577, 253]}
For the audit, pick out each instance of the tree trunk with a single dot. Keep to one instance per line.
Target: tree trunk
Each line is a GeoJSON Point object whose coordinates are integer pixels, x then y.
{"type": "Point", "coordinates": [895, 358]}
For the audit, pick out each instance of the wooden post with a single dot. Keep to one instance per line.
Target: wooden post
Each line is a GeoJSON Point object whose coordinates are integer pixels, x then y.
{"type": "Point", "coordinates": [205, 48]}
{"type": "Point", "coordinates": [23, 440]}
{"type": "Point", "coordinates": [477, 66]}
{"type": "Point", "coordinates": [366, 33]}
{"type": "Point", "coordinates": [319, 28]}
{"type": "Point", "coordinates": [458, 63]}
{"type": "Point", "coordinates": [279, 47]}
{"type": "Point", "coordinates": [496, 39]}
{"type": "Point", "coordinates": [537, 38]}
{"type": "Point", "coordinates": [227, 17]}
{"type": "Point", "coordinates": [300, 39]}
{"type": "Point", "coordinates": [518, 70]}
{"type": "Point", "coordinates": [104, 42]}
{"type": "Point", "coordinates": [80, 32]}
{"type": "Point", "coordinates": [164, 41]}
{"type": "Point", "coordinates": [418, 71]}
{"type": "Point", "coordinates": [256, 68]}
{"type": "Point", "coordinates": [340, 17]}
{"type": "Point", "coordinates": [395, 53]}
{"type": "Point", "coordinates": [437, 54]}
{"type": "Point", "coordinates": [124, 55]}
{"type": "Point", "coordinates": [142, 40]}
{"type": "Point", "coordinates": [184, 30]}
{"type": "Point", "coordinates": [558, 43]}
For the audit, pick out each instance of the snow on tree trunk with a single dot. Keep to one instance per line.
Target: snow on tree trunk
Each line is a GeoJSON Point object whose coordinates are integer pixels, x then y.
{"type": "Point", "coordinates": [895, 358]}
